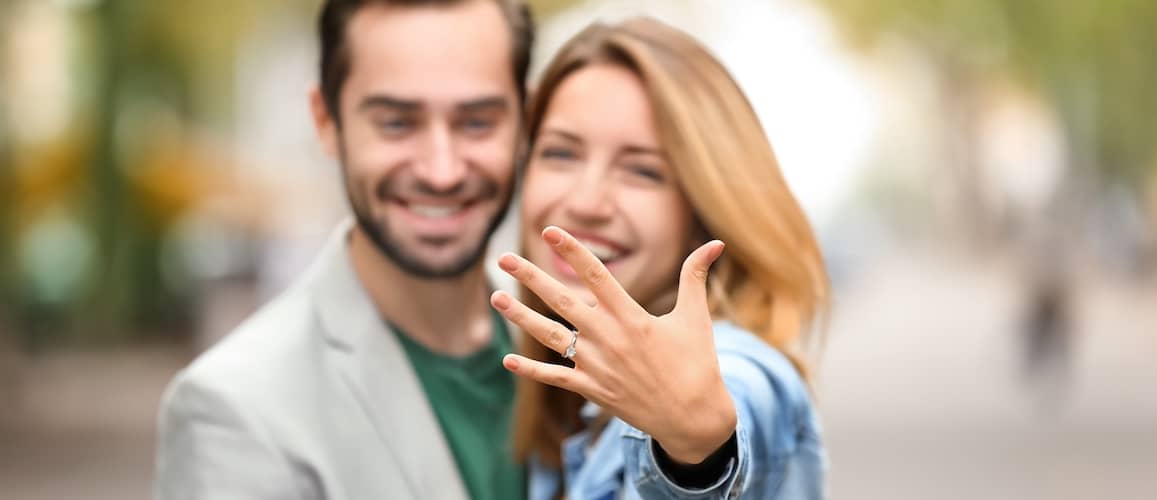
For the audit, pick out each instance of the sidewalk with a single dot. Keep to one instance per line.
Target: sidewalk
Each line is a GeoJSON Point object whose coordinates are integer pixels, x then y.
{"type": "Point", "coordinates": [922, 396]}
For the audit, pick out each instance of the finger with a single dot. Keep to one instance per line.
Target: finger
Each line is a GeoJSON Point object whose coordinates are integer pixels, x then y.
{"type": "Point", "coordinates": [548, 332]}
{"type": "Point", "coordinates": [593, 273]}
{"type": "Point", "coordinates": [550, 374]}
{"type": "Point", "coordinates": [556, 295]}
{"type": "Point", "coordinates": [693, 277]}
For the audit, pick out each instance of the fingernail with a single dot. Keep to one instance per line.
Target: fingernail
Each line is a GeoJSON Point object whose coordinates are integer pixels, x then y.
{"type": "Point", "coordinates": [510, 362]}
{"type": "Point", "coordinates": [719, 247]}
{"type": "Point", "coordinates": [508, 263]}
{"type": "Point", "coordinates": [552, 237]}
{"type": "Point", "coordinates": [500, 300]}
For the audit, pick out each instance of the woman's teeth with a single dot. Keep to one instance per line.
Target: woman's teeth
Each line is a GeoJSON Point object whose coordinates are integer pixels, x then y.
{"type": "Point", "coordinates": [602, 252]}
{"type": "Point", "coordinates": [436, 211]}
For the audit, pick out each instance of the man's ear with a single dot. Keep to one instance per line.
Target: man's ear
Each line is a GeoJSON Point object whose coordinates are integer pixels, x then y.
{"type": "Point", "coordinates": [325, 125]}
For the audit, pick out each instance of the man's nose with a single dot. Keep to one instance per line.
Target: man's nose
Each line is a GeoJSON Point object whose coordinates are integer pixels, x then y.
{"type": "Point", "coordinates": [441, 167]}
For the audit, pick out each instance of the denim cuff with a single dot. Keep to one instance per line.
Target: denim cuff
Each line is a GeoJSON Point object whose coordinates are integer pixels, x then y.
{"type": "Point", "coordinates": [652, 482]}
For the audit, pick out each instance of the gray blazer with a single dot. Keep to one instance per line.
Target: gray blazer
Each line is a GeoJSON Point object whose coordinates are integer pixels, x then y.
{"type": "Point", "coordinates": [311, 398]}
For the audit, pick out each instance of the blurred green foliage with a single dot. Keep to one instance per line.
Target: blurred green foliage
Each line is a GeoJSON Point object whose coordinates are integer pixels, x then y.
{"type": "Point", "coordinates": [87, 213]}
{"type": "Point", "coordinates": [1092, 61]}
{"type": "Point", "coordinates": [146, 78]}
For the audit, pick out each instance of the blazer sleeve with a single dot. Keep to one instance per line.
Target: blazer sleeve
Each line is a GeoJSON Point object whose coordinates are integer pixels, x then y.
{"type": "Point", "coordinates": [207, 448]}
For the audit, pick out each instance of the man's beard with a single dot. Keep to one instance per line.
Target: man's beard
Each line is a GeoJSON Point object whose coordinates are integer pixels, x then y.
{"type": "Point", "coordinates": [379, 234]}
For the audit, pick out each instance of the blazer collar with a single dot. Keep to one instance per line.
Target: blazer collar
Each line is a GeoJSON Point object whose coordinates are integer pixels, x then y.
{"type": "Point", "coordinates": [374, 365]}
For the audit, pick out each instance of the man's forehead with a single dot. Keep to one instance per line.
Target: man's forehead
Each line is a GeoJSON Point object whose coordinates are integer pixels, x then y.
{"type": "Point", "coordinates": [439, 55]}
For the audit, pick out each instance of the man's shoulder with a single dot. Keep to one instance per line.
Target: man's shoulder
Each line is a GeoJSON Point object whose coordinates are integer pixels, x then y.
{"type": "Point", "coordinates": [270, 349]}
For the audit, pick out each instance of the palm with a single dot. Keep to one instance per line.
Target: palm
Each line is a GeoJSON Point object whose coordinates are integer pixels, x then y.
{"type": "Point", "coordinates": [659, 374]}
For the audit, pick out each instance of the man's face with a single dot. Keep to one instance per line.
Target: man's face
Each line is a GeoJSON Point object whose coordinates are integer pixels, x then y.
{"type": "Point", "coordinates": [428, 130]}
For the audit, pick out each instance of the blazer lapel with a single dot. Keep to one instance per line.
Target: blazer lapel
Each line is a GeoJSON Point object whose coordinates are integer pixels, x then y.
{"type": "Point", "coordinates": [376, 368]}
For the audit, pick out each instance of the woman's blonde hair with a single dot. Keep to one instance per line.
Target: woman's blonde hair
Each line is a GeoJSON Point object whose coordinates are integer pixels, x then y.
{"type": "Point", "coordinates": [771, 278]}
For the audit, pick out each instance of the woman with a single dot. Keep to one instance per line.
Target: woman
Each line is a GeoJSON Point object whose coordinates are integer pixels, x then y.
{"type": "Point", "coordinates": [642, 150]}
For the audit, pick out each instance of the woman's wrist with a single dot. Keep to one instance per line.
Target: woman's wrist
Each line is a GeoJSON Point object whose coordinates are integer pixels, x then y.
{"type": "Point", "coordinates": [703, 474]}
{"type": "Point", "coordinates": [711, 426]}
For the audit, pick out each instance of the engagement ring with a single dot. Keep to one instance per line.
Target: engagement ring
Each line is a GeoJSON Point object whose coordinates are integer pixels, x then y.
{"type": "Point", "coordinates": [570, 349]}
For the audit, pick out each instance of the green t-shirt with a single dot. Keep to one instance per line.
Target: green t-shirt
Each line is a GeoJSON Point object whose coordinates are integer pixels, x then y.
{"type": "Point", "coordinates": [473, 397]}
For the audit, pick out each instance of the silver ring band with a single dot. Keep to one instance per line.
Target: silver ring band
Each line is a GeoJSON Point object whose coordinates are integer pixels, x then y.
{"type": "Point", "coordinates": [571, 349]}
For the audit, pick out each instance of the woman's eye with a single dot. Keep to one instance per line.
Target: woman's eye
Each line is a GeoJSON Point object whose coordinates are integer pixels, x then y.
{"type": "Point", "coordinates": [647, 173]}
{"type": "Point", "coordinates": [557, 153]}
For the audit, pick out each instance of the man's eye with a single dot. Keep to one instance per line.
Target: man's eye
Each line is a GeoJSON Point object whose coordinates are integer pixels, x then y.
{"type": "Point", "coordinates": [394, 125]}
{"type": "Point", "coordinates": [476, 125]}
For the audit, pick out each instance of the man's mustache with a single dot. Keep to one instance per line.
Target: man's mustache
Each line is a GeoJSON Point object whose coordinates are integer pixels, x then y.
{"type": "Point", "coordinates": [472, 187]}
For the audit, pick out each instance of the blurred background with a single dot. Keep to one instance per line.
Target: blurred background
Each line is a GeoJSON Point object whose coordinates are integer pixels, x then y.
{"type": "Point", "coordinates": [981, 174]}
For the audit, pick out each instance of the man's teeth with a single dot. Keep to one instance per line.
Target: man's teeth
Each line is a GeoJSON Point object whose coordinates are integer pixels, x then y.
{"type": "Point", "coordinates": [603, 252]}
{"type": "Point", "coordinates": [435, 211]}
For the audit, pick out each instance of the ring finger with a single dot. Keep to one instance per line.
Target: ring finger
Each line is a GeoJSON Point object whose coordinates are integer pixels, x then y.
{"type": "Point", "coordinates": [548, 332]}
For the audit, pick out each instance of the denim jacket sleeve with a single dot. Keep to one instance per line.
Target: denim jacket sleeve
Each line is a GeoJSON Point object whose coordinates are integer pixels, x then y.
{"type": "Point", "coordinates": [651, 481]}
{"type": "Point", "coordinates": [775, 421]}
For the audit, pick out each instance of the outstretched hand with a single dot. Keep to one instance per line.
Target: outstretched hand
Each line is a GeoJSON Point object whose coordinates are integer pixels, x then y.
{"type": "Point", "coordinates": [657, 373]}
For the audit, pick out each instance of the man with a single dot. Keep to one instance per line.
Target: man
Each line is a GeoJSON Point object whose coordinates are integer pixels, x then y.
{"type": "Point", "coordinates": [378, 374]}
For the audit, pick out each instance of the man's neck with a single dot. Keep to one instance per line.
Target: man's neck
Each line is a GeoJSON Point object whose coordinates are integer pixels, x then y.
{"type": "Point", "coordinates": [448, 316]}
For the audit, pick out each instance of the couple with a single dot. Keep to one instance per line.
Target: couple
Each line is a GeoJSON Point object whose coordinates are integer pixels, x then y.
{"type": "Point", "coordinates": [654, 362]}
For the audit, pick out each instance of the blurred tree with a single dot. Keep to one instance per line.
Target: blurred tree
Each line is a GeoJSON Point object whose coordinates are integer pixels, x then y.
{"type": "Point", "coordinates": [165, 81]}
{"type": "Point", "coordinates": [1094, 61]}
{"type": "Point", "coordinates": [153, 85]}
{"type": "Point", "coordinates": [544, 9]}
{"type": "Point", "coordinates": [7, 234]}
{"type": "Point", "coordinates": [1091, 61]}
{"type": "Point", "coordinates": [8, 219]}
{"type": "Point", "coordinates": [154, 91]}
{"type": "Point", "coordinates": [963, 42]}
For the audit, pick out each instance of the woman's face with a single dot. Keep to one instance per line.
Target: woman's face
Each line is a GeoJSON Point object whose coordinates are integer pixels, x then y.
{"type": "Point", "coordinates": [598, 171]}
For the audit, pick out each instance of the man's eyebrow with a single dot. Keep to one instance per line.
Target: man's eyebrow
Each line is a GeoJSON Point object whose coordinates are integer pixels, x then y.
{"type": "Point", "coordinates": [483, 104]}
{"type": "Point", "coordinates": [386, 101]}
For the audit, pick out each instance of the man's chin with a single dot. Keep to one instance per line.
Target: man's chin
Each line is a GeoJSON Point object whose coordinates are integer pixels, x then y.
{"type": "Point", "coordinates": [435, 270]}
{"type": "Point", "coordinates": [435, 261]}
{"type": "Point", "coordinates": [430, 255]}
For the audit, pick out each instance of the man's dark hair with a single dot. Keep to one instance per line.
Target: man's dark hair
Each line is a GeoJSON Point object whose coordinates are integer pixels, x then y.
{"type": "Point", "coordinates": [335, 57]}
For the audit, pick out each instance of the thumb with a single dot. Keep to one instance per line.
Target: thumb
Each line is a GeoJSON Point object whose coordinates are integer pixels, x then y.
{"type": "Point", "coordinates": [693, 278]}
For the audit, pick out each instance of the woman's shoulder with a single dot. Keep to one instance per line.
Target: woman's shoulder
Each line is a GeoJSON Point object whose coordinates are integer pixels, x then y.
{"type": "Point", "coordinates": [750, 363]}
{"type": "Point", "coordinates": [775, 408]}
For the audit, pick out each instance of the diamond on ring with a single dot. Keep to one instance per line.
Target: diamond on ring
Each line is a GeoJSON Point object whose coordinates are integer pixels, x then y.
{"type": "Point", "coordinates": [570, 349]}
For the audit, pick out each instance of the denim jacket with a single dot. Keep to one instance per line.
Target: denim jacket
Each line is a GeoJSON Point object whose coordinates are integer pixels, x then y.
{"type": "Point", "coordinates": [780, 454]}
